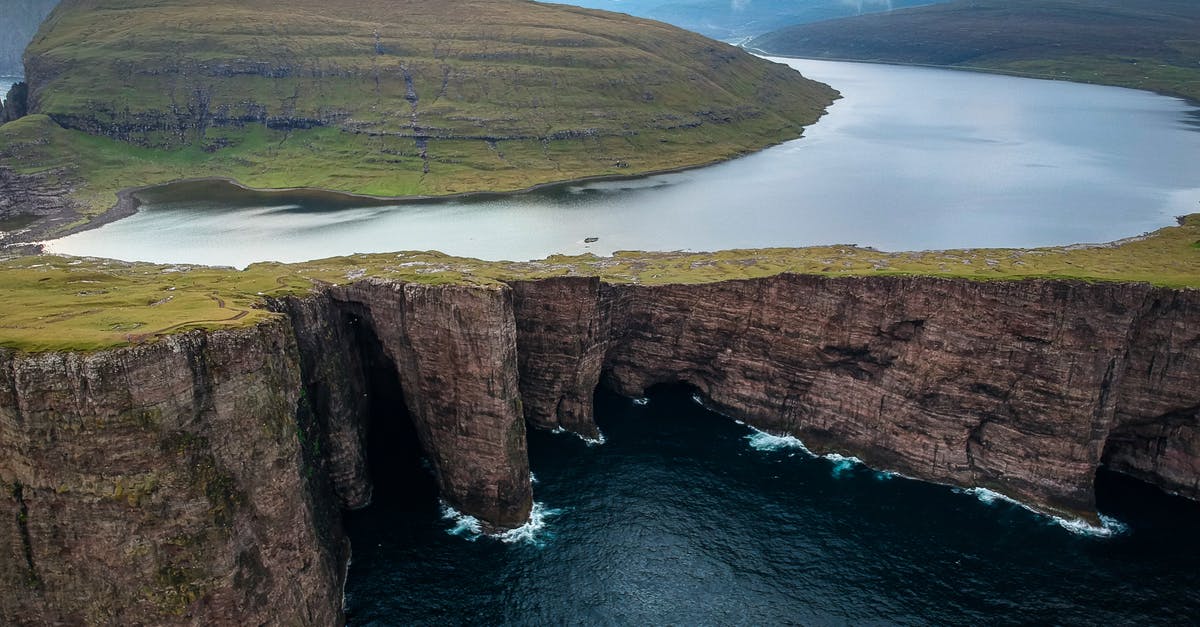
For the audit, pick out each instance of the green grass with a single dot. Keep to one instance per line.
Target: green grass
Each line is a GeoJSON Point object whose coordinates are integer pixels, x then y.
{"type": "Point", "coordinates": [61, 303]}
{"type": "Point", "coordinates": [1148, 44]}
{"type": "Point", "coordinates": [343, 95]}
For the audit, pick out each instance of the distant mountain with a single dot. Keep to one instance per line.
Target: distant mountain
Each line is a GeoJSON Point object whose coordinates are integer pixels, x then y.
{"type": "Point", "coordinates": [19, 21]}
{"type": "Point", "coordinates": [738, 19]}
{"type": "Point", "coordinates": [1145, 44]}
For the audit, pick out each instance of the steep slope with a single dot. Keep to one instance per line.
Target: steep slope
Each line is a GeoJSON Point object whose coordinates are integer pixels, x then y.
{"type": "Point", "coordinates": [386, 98]}
{"type": "Point", "coordinates": [1150, 44]}
{"type": "Point", "coordinates": [723, 19]}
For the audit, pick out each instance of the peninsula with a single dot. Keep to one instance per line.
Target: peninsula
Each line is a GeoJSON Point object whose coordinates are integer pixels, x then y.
{"type": "Point", "coordinates": [381, 98]}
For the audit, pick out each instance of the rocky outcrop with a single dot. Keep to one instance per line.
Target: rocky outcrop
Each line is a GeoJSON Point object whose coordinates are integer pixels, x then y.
{"type": "Point", "coordinates": [455, 356]}
{"type": "Point", "coordinates": [15, 104]}
{"type": "Point", "coordinates": [34, 205]}
{"type": "Point", "coordinates": [197, 480]}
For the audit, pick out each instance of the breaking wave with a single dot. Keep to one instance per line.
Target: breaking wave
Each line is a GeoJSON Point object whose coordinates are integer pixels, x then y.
{"type": "Point", "coordinates": [763, 441]}
{"type": "Point", "coordinates": [465, 525]}
{"type": "Point", "coordinates": [1107, 528]}
{"type": "Point", "coordinates": [596, 441]}
{"type": "Point", "coordinates": [533, 532]}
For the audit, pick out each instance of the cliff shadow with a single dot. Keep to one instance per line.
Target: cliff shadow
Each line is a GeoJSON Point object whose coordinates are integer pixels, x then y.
{"type": "Point", "coordinates": [396, 462]}
{"type": "Point", "coordinates": [1160, 451]}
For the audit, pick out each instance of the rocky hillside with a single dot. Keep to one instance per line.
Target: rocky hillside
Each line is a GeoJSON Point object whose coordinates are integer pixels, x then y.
{"type": "Point", "coordinates": [388, 98]}
{"type": "Point", "coordinates": [1150, 44]}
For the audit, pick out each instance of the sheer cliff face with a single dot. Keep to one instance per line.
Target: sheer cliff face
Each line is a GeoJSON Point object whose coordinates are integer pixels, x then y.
{"type": "Point", "coordinates": [455, 354]}
{"type": "Point", "coordinates": [197, 480]}
{"type": "Point", "coordinates": [167, 483]}
{"type": "Point", "coordinates": [1015, 386]}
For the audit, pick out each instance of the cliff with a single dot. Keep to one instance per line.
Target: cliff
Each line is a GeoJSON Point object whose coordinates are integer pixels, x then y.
{"type": "Point", "coordinates": [1021, 387]}
{"type": "Point", "coordinates": [196, 480]}
{"type": "Point", "coordinates": [165, 483]}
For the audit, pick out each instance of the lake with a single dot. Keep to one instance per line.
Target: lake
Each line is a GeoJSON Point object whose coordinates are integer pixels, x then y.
{"type": "Point", "coordinates": [909, 159]}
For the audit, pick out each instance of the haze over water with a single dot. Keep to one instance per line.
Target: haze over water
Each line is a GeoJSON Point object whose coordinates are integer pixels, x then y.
{"type": "Point", "coordinates": [909, 159]}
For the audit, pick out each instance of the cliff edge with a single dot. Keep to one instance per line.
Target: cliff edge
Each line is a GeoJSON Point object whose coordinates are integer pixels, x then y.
{"type": "Point", "coordinates": [156, 474]}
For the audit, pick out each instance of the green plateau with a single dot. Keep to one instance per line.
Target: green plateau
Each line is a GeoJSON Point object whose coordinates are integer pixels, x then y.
{"type": "Point", "coordinates": [383, 98]}
{"type": "Point", "coordinates": [1148, 44]}
{"type": "Point", "coordinates": [60, 303]}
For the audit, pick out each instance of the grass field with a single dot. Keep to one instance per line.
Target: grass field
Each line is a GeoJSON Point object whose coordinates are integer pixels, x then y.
{"type": "Point", "coordinates": [55, 303]}
{"type": "Point", "coordinates": [1147, 44]}
{"type": "Point", "coordinates": [385, 98]}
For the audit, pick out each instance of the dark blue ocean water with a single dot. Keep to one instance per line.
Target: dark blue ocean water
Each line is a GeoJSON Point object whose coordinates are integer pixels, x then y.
{"type": "Point", "coordinates": [685, 517]}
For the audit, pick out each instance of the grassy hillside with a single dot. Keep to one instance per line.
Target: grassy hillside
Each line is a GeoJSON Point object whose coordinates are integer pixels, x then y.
{"type": "Point", "coordinates": [51, 303]}
{"type": "Point", "coordinates": [730, 20]}
{"type": "Point", "coordinates": [389, 98]}
{"type": "Point", "coordinates": [1147, 44]}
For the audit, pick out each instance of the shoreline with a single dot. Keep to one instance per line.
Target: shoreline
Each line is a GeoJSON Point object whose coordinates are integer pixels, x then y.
{"type": "Point", "coordinates": [976, 69]}
{"type": "Point", "coordinates": [128, 203]}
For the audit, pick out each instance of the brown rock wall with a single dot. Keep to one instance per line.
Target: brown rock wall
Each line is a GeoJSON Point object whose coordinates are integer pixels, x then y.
{"type": "Point", "coordinates": [162, 484]}
{"type": "Point", "coordinates": [197, 480]}
{"type": "Point", "coordinates": [1013, 385]}
{"type": "Point", "coordinates": [455, 351]}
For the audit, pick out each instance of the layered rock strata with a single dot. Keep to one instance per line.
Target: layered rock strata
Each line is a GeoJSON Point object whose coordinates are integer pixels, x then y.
{"type": "Point", "coordinates": [167, 483]}
{"type": "Point", "coordinates": [197, 480]}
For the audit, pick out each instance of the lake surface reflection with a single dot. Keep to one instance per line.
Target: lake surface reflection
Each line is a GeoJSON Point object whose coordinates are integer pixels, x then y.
{"type": "Point", "coordinates": [910, 158]}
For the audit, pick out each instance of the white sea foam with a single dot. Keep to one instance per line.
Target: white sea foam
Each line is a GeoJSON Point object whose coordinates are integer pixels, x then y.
{"type": "Point", "coordinates": [763, 441]}
{"type": "Point", "coordinates": [465, 525]}
{"type": "Point", "coordinates": [990, 496]}
{"type": "Point", "coordinates": [641, 402]}
{"type": "Point", "coordinates": [699, 400]}
{"type": "Point", "coordinates": [596, 441]}
{"type": "Point", "coordinates": [1108, 526]}
{"type": "Point", "coordinates": [533, 531]}
{"type": "Point", "coordinates": [842, 463]}
{"type": "Point", "coordinates": [533, 479]}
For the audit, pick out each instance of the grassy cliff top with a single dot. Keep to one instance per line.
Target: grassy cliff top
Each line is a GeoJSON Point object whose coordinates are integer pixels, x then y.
{"type": "Point", "coordinates": [1146, 44]}
{"type": "Point", "coordinates": [381, 97]}
{"type": "Point", "coordinates": [60, 303]}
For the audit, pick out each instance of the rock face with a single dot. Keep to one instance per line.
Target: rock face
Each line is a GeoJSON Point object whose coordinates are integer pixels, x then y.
{"type": "Point", "coordinates": [33, 205]}
{"type": "Point", "coordinates": [198, 480]}
{"type": "Point", "coordinates": [167, 483]}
